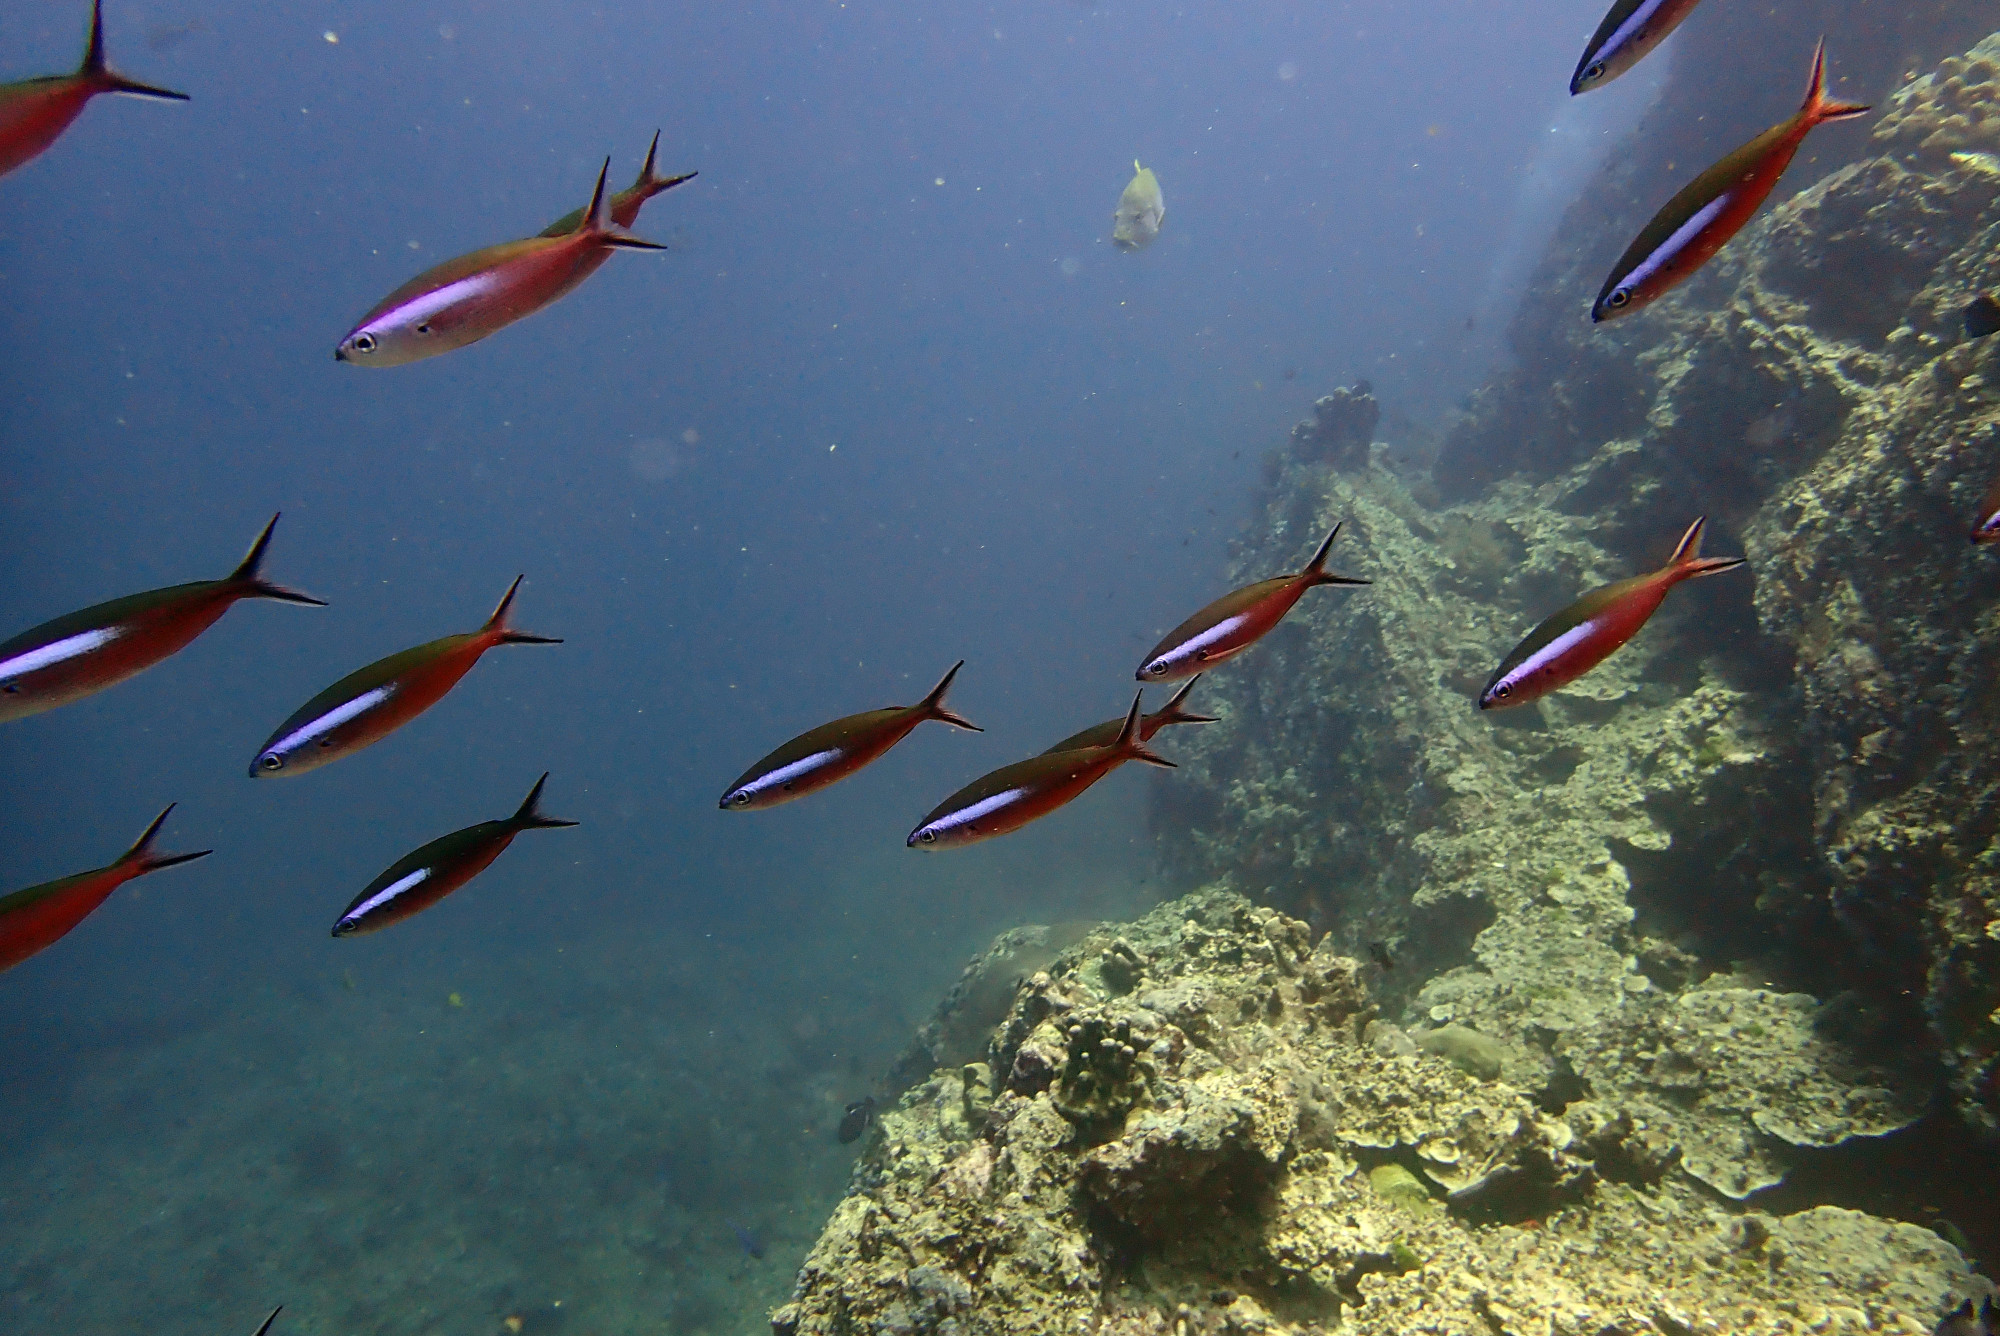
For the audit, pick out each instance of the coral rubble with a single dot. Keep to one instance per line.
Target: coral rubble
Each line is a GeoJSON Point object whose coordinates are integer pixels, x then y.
{"type": "Point", "coordinates": [1197, 1123]}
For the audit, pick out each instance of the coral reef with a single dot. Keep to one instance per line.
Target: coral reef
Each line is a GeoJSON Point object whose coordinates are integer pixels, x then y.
{"type": "Point", "coordinates": [1197, 1123]}
{"type": "Point", "coordinates": [1788, 781]}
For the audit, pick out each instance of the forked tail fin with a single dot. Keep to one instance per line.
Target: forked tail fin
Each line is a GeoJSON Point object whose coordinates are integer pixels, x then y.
{"type": "Point", "coordinates": [1128, 747]}
{"type": "Point", "coordinates": [104, 76]}
{"type": "Point", "coordinates": [933, 707]}
{"type": "Point", "coordinates": [249, 572]}
{"type": "Point", "coordinates": [529, 816]}
{"type": "Point", "coordinates": [1688, 563]}
{"type": "Point", "coordinates": [1316, 572]}
{"type": "Point", "coordinates": [1172, 713]}
{"type": "Point", "coordinates": [141, 853]}
{"type": "Point", "coordinates": [653, 184]}
{"type": "Point", "coordinates": [1817, 109]}
{"type": "Point", "coordinates": [269, 1320]}
{"type": "Point", "coordinates": [496, 625]}
{"type": "Point", "coordinates": [596, 223]}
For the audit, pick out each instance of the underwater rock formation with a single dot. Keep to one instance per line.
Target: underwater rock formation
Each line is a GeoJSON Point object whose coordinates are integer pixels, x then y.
{"type": "Point", "coordinates": [1341, 428]}
{"type": "Point", "coordinates": [1789, 783]}
{"type": "Point", "coordinates": [1196, 1123]}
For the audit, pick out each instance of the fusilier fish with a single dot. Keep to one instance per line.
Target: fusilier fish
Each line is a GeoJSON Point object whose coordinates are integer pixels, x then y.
{"type": "Point", "coordinates": [421, 879]}
{"type": "Point", "coordinates": [462, 301]}
{"type": "Point", "coordinates": [1097, 735]}
{"type": "Point", "coordinates": [832, 752]}
{"type": "Point", "coordinates": [1012, 796]}
{"type": "Point", "coordinates": [1141, 211]}
{"type": "Point", "coordinates": [1986, 528]}
{"type": "Point", "coordinates": [1234, 622]}
{"type": "Point", "coordinates": [1963, 1321]}
{"type": "Point", "coordinates": [41, 915]}
{"type": "Point", "coordinates": [370, 703]}
{"type": "Point", "coordinates": [1584, 634]}
{"type": "Point", "coordinates": [71, 657]}
{"type": "Point", "coordinates": [1631, 30]}
{"type": "Point", "coordinates": [625, 205]}
{"type": "Point", "coordinates": [35, 112]}
{"type": "Point", "coordinates": [1712, 208]}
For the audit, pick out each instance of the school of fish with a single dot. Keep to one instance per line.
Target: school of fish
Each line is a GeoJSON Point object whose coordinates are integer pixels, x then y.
{"type": "Point", "coordinates": [457, 303]}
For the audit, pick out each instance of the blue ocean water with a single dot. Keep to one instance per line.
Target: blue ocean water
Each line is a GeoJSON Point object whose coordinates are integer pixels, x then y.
{"type": "Point", "coordinates": [890, 400]}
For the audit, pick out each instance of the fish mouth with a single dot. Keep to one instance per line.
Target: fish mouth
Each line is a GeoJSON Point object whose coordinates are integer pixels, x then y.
{"type": "Point", "coordinates": [340, 354]}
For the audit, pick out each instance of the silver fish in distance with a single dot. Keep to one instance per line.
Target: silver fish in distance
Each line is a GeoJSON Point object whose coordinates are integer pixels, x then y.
{"type": "Point", "coordinates": [462, 301]}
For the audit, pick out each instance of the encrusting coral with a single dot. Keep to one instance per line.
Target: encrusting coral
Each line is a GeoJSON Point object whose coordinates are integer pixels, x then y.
{"type": "Point", "coordinates": [1195, 1123]}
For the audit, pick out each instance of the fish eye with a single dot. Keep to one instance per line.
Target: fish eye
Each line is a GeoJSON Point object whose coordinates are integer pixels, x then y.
{"type": "Point", "coordinates": [271, 761]}
{"type": "Point", "coordinates": [1156, 667]}
{"type": "Point", "coordinates": [1505, 689]}
{"type": "Point", "coordinates": [740, 798]}
{"type": "Point", "coordinates": [1619, 297]}
{"type": "Point", "coordinates": [1594, 73]}
{"type": "Point", "coordinates": [424, 328]}
{"type": "Point", "coordinates": [927, 836]}
{"type": "Point", "coordinates": [364, 343]}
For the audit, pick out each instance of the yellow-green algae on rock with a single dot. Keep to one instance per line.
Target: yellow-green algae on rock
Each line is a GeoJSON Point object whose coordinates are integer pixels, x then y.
{"type": "Point", "coordinates": [1231, 1194]}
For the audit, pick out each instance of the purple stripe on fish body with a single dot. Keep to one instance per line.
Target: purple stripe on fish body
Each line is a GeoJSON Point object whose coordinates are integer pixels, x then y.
{"type": "Point", "coordinates": [1665, 253]}
{"type": "Point", "coordinates": [1545, 661]}
{"type": "Point", "coordinates": [953, 822]}
{"type": "Point", "coordinates": [1635, 25]}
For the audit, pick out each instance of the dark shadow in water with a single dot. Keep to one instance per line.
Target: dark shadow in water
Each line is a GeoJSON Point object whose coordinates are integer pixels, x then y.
{"type": "Point", "coordinates": [1937, 1173]}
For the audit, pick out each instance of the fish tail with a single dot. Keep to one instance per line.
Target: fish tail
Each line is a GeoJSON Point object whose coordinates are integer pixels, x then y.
{"type": "Point", "coordinates": [248, 572]}
{"type": "Point", "coordinates": [1688, 563]}
{"type": "Point", "coordinates": [1316, 572]}
{"type": "Point", "coordinates": [1129, 747]}
{"type": "Point", "coordinates": [1172, 713]}
{"type": "Point", "coordinates": [529, 816]}
{"type": "Point", "coordinates": [141, 853]}
{"type": "Point", "coordinates": [596, 223]}
{"type": "Point", "coordinates": [650, 181]}
{"type": "Point", "coordinates": [109, 79]}
{"type": "Point", "coordinates": [496, 625]}
{"type": "Point", "coordinates": [269, 1320]}
{"type": "Point", "coordinates": [1818, 109]}
{"type": "Point", "coordinates": [933, 706]}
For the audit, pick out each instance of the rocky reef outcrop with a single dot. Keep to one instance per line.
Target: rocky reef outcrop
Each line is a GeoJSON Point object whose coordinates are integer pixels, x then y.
{"type": "Point", "coordinates": [1199, 1122]}
{"type": "Point", "coordinates": [1789, 784]}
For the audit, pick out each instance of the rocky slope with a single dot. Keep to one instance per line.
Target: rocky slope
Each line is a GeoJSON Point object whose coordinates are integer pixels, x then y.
{"type": "Point", "coordinates": [1790, 777]}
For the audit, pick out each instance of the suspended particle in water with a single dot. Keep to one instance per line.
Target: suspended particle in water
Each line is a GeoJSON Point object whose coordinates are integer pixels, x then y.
{"type": "Point", "coordinates": [1288, 70]}
{"type": "Point", "coordinates": [655, 460]}
{"type": "Point", "coordinates": [1069, 266]}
